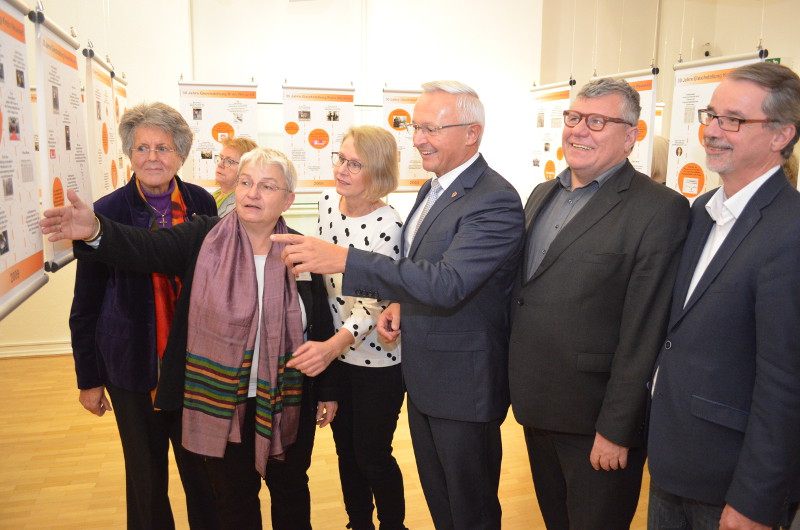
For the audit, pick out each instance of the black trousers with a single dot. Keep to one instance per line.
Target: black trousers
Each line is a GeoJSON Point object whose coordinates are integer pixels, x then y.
{"type": "Point", "coordinates": [363, 430]}
{"type": "Point", "coordinates": [571, 494]}
{"type": "Point", "coordinates": [237, 484]}
{"type": "Point", "coordinates": [145, 435]}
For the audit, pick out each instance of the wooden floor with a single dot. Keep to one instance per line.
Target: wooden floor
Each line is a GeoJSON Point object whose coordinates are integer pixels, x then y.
{"type": "Point", "coordinates": [61, 467]}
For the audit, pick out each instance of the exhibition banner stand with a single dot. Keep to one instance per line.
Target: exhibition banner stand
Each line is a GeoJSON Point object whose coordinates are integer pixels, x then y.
{"type": "Point", "coordinates": [549, 104]}
{"type": "Point", "coordinates": [315, 121]}
{"type": "Point", "coordinates": [63, 161]}
{"type": "Point", "coordinates": [21, 246]}
{"type": "Point", "coordinates": [398, 109]}
{"type": "Point", "coordinates": [120, 107]}
{"type": "Point", "coordinates": [215, 112]}
{"type": "Point", "coordinates": [694, 84]}
{"type": "Point", "coordinates": [102, 127]}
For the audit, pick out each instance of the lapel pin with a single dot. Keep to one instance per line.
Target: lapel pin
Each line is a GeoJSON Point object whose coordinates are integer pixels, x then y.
{"type": "Point", "coordinates": [454, 194]}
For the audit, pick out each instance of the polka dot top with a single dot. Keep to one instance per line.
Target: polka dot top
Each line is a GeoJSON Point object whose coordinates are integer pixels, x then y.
{"type": "Point", "coordinates": [379, 231]}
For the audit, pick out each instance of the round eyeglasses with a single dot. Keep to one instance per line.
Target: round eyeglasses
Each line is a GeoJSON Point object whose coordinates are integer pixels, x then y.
{"type": "Point", "coordinates": [595, 122]}
{"type": "Point", "coordinates": [353, 166]}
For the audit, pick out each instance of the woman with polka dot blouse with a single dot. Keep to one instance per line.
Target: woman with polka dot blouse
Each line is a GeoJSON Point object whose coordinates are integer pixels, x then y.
{"type": "Point", "coordinates": [365, 169]}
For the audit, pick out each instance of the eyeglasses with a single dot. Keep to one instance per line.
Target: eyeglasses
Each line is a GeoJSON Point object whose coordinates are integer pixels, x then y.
{"type": "Point", "coordinates": [353, 166]}
{"type": "Point", "coordinates": [162, 151]}
{"type": "Point", "coordinates": [262, 187]}
{"type": "Point", "coordinates": [726, 123]}
{"type": "Point", "coordinates": [595, 122]}
{"type": "Point", "coordinates": [412, 128]}
{"type": "Point", "coordinates": [226, 162]}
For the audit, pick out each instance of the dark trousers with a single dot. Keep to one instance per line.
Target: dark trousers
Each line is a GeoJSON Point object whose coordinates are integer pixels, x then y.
{"type": "Point", "coordinates": [363, 430]}
{"type": "Point", "coordinates": [459, 469]}
{"type": "Point", "coordinates": [571, 494]}
{"type": "Point", "coordinates": [145, 435]}
{"type": "Point", "coordinates": [237, 483]}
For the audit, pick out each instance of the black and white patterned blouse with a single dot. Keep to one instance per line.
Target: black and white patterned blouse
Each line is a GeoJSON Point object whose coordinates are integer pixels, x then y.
{"type": "Point", "coordinates": [379, 231]}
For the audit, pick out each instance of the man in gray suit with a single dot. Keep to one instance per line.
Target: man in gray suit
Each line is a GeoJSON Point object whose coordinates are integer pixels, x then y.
{"type": "Point", "coordinates": [462, 244]}
{"type": "Point", "coordinates": [601, 253]}
{"type": "Point", "coordinates": [724, 438]}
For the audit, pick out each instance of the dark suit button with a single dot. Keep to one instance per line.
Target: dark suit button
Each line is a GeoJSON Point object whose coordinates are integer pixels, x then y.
{"type": "Point", "coordinates": [668, 345]}
{"type": "Point", "coordinates": [520, 301]}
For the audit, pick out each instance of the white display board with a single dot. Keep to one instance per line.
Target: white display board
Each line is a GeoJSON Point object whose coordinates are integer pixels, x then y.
{"type": "Point", "coordinates": [102, 128]}
{"type": "Point", "coordinates": [694, 85]}
{"type": "Point", "coordinates": [124, 170]}
{"type": "Point", "coordinates": [63, 160]}
{"type": "Point", "coordinates": [315, 121]}
{"type": "Point", "coordinates": [215, 112]}
{"type": "Point", "coordinates": [398, 110]}
{"type": "Point", "coordinates": [21, 248]}
{"type": "Point", "coordinates": [547, 156]}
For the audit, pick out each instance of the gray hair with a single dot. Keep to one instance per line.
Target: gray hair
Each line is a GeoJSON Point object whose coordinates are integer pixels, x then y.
{"type": "Point", "coordinates": [157, 115]}
{"type": "Point", "coordinates": [264, 156]}
{"type": "Point", "coordinates": [468, 104]}
{"type": "Point", "coordinates": [605, 86]}
{"type": "Point", "coordinates": [782, 104]}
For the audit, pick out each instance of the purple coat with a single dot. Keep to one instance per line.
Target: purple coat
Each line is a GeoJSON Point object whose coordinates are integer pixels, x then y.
{"type": "Point", "coordinates": [112, 320]}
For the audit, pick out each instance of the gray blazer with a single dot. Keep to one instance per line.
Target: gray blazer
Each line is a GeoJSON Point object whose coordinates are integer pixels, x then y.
{"type": "Point", "coordinates": [454, 288]}
{"type": "Point", "coordinates": [725, 417]}
{"type": "Point", "coordinates": [587, 326]}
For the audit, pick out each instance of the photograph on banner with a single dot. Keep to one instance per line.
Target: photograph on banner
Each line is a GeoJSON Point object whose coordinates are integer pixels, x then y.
{"type": "Point", "coordinates": [686, 163]}
{"type": "Point", "coordinates": [102, 128]}
{"type": "Point", "coordinates": [547, 156]}
{"type": "Point", "coordinates": [124, 170]}
{"type": "Point", "coordinates": [21, 244]}
{"type": "Point", "coordinates": [398, 109]}
{"type": "Point", "coordinates": [315, 121]}
{"type": "Point", "coordinates": [63, 161]}
{"type": "Point", "coordinates": [215, 112]}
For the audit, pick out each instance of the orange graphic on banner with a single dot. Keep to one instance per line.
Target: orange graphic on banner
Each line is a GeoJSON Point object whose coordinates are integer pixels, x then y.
{"type": "Point", "coordinates": [564, 94]}
{"type": "Point", "coordinates": [102, 76]}
{"type": "Point", "coordinates": [222, 128]}
{"type": "Point", "coordinates": [234, 94]}
{"type": "Point", "coordinates": [549, 170]}
{"type": "Point", "coordinates": [714, 76]}
{"type": "Point", "coordinates": [640, 86]}
{"type": "Point", "coordinates": [292, 128]}
{"type": "Point", "coordinates": [21, 271]}
{"type": "Point", "coordinates": [58, 193]}
{"type": "Point", "coordinates": [642, 126]}
{"type": "Point", "coordinates": [700, 132]}
{"type": "Point", "coordinates": [58, 52]}
{"type": "Point", "coordinates": [342, 98]}
{"type": "Point", "coordinates": [105, 138]}
{"type": "Point", "coordinates": [12, 26]}
{"type": "Point", "coordinates": [691, 180]}
{"type": "Point", "coordinates": [114, 174]}
{"type": "Point", "coordinates": [560, 154]}
{"type": "Point", "coordinates": [398, 119]}
{"type": "Point", "coordinates": [316, 183]}
{"type": "Point", "coordinates": [319, 138]}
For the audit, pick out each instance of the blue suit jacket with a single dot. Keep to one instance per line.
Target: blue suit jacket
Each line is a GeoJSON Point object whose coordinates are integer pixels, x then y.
{"type": "Point", "coordinates": [725, 417]}
{"type": "Point", "coordinates": [454, 287]}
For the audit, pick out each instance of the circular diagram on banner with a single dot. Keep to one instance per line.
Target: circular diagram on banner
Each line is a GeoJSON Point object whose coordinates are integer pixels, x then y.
{"type": "Point", "coordinates": [58, 193]}
{"type": "Point", "coordinates": [691, 180]}
{"type": "Point", "coordinates": [319, 138]}
{"type": "Point", "coordinates": [105, 138]}
{"type": "Point", "coordinates": [113, 174]}
{"type": "Point", "coordinates": [642, 126]}
{"type": "Point", "coordinates": [700, 132]}
{"type": "Point", "coordinates": [560, 153]}
{"type": "Point", "coordinates": [549, 170]}
{"type": "Point", "coordinates": [398, 119]}
{"type": "Point", "coordinates": [222, 130]}
{"type": "Point", "coordinates": [291, 128]}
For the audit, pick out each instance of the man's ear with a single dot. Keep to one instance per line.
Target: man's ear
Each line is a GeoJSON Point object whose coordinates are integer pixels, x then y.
{"type": "Point", "coordinates": [783, 135]}
{"type": "Point", "coordinates": [474, 131]}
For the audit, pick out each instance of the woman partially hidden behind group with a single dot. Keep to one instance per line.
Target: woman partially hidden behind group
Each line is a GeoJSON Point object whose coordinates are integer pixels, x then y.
{"type": "Point", "coordinates": [239, 317]}
{"type": "Point", "coordinates": [120, 322]}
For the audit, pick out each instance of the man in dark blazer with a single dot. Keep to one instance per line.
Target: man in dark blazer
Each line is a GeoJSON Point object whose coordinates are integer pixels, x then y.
{"type": "Point", "coordinates": [724, 438]}
{"type": "Point", "coordinates": [601, 253]}
{"type": "Point", "coordinates": [454, 283]}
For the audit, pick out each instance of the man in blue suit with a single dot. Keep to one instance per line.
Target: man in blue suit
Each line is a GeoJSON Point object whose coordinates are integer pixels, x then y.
{"type": "Point", "coordinates": [462, 243]}
{"type": "Point", "coordinates": [724, 437]}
